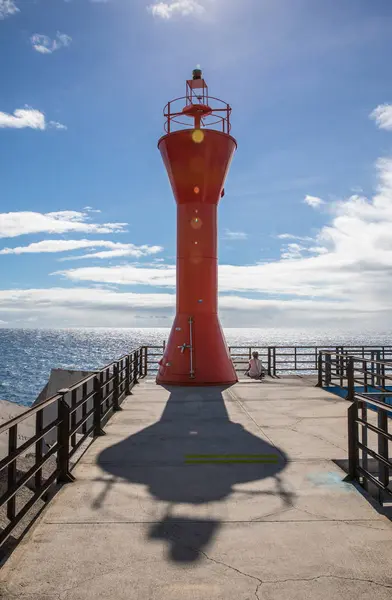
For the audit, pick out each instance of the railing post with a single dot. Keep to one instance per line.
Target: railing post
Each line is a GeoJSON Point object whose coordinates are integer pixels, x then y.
{"type": "Point", "coordinates": [378, 369]}
{"type": "Point", "coordinates": [372, 378]}
{"type": "Point", "coordinates": [134, 367]}
{"type": "Point", "coordinates": [128, 375]}
{"type": "Point", "coordinates": [12, 474]}
{"type": "Point", "coordinates": [342, 364]}
{"type": "Point", "coordinates": [74, 401]}
{"type": "Point", "coordinates": [84, 408]}
{"type": "Point", "coordinates": [63, 435]}
{"type": "Point", "coordinates": [320, 370]}
{"type": "Point", "coordinates": [353, 452]}
{"type": "Point", "coordinates": [38, 448]}
{"type": "Point", "coordinates": [274, 360]}
{"type": "Point", "coordinates": [145, 360]}
{"type": "Point", "coordinates": [382, 373]}
{"type": "Point", "coordinates": [116, 385]}
{"type": "Point", "coordinates": [350, 380]}
{"type": "Point", "coordinates": [328, 367]}
{"type": "Point", "coordinates": [383, 470]}
{"type": "Point", "coordinates": [341, 368]}
{"type": "Point", "coordinates": [269, 371]}
{"type": "Point", "coordinates": [364, 441]}
{"type": "Point", "coordinates": [365, 376]}
{"type": "Point", "coordinates": [98, 431]}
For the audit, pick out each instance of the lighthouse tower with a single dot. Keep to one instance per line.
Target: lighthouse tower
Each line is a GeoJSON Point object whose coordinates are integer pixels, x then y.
{"type": "Point", "coordinates": [197, 151]}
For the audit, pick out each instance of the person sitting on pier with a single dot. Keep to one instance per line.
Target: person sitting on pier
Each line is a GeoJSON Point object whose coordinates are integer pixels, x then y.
{"type": "Point", "coordinates": [255, 369]}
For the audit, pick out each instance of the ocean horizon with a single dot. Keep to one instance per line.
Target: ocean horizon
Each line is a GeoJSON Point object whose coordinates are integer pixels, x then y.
{"type": "Point", "coordinates": [28, 355]}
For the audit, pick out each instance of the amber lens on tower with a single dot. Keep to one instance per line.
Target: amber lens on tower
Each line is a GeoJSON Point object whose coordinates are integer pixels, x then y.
{"type": "Point", "coordinates": [197, 136]}
{"type": "Point", "coordinates": [196, 223]}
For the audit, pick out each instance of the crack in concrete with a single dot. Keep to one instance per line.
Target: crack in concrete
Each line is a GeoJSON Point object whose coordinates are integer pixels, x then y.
{"type": "Point", "coordinates": [177, 539]}
{"type": "Point", "coordinates": [291, 427]}
{"type": "Point", "coordinates": [261, 582]}
{"type": "Point", "coordinates": [366, 525]}
{"type": "Point", "coordinates": [316, 577]}
{"type": "Point", "coordinates": [314, 435]}
{"type": "Point", "coordinates": [223, 564]}
{"type": "Point", "coordinates": [317, 518]}
{"type": "Point", "coordinates": [64, 593]}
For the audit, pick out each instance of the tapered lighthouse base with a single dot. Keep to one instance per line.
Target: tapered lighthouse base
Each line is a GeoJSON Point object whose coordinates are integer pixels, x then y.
{"type": "Point", "coordinates": [196, 353]}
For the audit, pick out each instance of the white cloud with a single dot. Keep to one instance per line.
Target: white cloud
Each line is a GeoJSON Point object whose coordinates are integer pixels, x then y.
{"type": "Point", "coordinates": [305, 277]}
{"type": "Point", "coordinates": [25, 222]}
{"type": "Point", "coordinates": [235, 235]}
{"type": "Point", "coordinates": [290, 236]}
{"type": "Point", "coordinates": [45, 45]}
{"type": "Point", "coordinates": [83, 306]}
{"type": "Point", "coordinates": [23, 117]}
{"type": "Point", "coordinates": [27, 117]}
{"type": "Point", "coordinates": [313, 201]}
{"type": "Point", "coordinates": [56, 125]}
{"type": "Point", "coordinates": [7, 8]}
{"type": "Point", "coordinates": [54, 246]}
{"type": "Point", "coordinates": [317, 249]}
{"type": "Point", "coordinates": [159, 276]}
{"type": "Point", "coordinates": [121, 250]}
{"type": "Point", "coordinates": [382, 114]}
{"type": "Point", "coordinates": [91, 209]}
{"type": "Point", "coordinates": [37, 299]}
{"type": "Point", "coordinates": [296, 251]}
{"type": "Point", "coordinates": [171, 8]}
{"type": "Point", "coordinates": [293, 250]}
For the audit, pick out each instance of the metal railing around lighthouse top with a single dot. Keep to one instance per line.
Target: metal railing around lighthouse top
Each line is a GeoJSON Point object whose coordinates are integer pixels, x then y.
{"type": "Point", "coordinates": [218, 119]}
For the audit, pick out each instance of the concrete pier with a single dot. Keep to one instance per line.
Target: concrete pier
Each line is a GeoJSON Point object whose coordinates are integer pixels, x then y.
{"type": "Point", "coordinates": [207, 493]}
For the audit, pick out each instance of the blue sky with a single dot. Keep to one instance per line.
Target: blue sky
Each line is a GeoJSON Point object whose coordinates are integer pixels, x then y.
{"type": "Point", "coordinates": [305, 225]}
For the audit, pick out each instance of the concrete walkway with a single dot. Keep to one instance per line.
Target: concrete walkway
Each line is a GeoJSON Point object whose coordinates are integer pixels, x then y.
{"type": "Point", "coordinates": [152, 516]}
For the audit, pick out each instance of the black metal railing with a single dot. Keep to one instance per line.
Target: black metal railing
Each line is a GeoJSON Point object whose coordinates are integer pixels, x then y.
{"type": "Point", "coordinates": [60, 425]}
{"type": "Point", "coordinates": [283, 360]}
{"type": "Point", "coordinates": [372, 374]}
{"type": "Point", "coordinates": [367, 384]}
{"type": "Point", "coordinates": [280, 360]}
{"type": "Point", "coordinates": [369, 461]}
{"type": "Point", "coordinates": [154, 354]}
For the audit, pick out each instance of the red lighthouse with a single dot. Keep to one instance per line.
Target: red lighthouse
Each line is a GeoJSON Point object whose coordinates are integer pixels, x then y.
{"type": "Point", "coordinates": [197, 151]}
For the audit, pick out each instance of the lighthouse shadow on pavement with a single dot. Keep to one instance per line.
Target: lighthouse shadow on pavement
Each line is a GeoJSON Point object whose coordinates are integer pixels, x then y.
{"type": "Point", "coordinates": [194, 455]}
